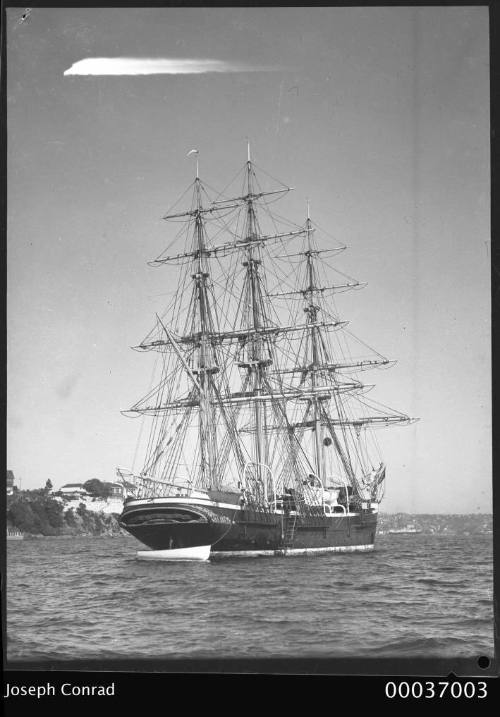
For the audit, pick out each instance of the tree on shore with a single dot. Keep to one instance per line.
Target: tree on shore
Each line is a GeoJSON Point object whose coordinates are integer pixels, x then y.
{"type": "Point", "coordinates": [97, 488]}
{"type": "Point", "coordinates": [37, 513]}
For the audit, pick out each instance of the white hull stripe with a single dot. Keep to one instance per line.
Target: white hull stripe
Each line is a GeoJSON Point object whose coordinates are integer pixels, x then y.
{"type": "Point", "coordinates": [198, 552]}
{"type": "Point", "coordinates": [289, 551]}
{"type": "Point", "coordinates": [165, 502]}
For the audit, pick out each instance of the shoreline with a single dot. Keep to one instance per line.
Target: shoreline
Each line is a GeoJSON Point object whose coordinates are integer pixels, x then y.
{"type": "Point", "coordinates": [383, 534]}
{"type": "Point", "coordinates": [30, 536]}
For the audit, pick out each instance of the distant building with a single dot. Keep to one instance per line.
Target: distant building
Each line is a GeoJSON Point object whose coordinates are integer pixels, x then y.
{"type": "Point", "coordinates": [116, 490]}
{"type": "Point", "coordinates": [73, 490]}
{"type": "Point", "coordinates": [10, 482]}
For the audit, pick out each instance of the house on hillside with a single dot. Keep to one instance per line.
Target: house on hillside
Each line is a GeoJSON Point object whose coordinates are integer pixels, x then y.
{"type": "Point", "coordinates": [10, 482]}
{"type": "Point", "coordinates": [73, 490]}
{"type": "Point", "coordinates": [117, 490]}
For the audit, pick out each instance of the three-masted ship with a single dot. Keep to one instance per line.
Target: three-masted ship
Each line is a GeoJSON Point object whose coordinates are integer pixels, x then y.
{"type": "Point", "coordinates": [262, 437]}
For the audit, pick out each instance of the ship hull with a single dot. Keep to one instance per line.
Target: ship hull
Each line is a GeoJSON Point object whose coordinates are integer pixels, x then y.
{"type": "Point", "coordinates": [164, 525]}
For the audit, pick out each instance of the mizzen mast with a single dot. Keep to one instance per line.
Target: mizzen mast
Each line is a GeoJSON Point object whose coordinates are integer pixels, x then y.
{"type": "Point", "coordinates": [312, 309]}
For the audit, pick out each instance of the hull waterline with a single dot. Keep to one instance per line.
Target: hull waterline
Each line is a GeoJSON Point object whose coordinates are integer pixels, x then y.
{"type": "Point", "coordinates": [197, 554]}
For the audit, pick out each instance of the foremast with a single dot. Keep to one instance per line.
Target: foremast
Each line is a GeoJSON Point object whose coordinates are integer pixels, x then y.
{"type": "Point", "coordinates": [206, 365]}
{"type": "Point", "coordinates": [192, 355]}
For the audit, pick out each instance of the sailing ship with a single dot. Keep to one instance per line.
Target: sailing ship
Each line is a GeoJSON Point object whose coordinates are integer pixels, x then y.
{"type": "Point", "coordinates": [262, 439]}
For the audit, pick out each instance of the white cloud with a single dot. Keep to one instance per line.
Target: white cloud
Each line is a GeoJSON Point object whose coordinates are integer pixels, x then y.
{"type": "Point", "coordinates": [157, 66]}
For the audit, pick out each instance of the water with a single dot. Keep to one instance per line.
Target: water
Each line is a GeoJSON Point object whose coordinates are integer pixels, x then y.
{"type": "Point", "coordinates": [414, 596]}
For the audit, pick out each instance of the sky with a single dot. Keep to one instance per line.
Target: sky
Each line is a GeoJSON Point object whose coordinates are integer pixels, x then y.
{"type": "Point", "coordinates": [380, 116]}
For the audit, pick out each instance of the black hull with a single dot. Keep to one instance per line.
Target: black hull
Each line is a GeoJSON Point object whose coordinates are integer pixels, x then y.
{"type": "Point", "coordinates": [229, 531]}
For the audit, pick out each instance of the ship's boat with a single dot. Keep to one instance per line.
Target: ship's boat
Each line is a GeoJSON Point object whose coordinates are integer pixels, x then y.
{"type": "Point", "coordinates": [261, 438]}
{"type": "Point", "coordinates": [406, 529]}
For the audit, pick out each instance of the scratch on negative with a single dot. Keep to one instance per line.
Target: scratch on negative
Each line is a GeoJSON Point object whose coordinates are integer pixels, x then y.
{"type": "Point", "coordinates": [24, 17]}
{"type": "Point", "coordinates": [279, 107]}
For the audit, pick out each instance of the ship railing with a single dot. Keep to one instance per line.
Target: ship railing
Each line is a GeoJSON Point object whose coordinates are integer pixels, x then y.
{"type": "Point", "coordinates": [330, 509]}
{"type": "Point", "coordinates": [322, 488]}
{"type": "Point", "coordinates": [330, 505]}
{"type": "Point", "coordinates": [262, 480]}
{"type": "Point", "coordinates": [276, 506]}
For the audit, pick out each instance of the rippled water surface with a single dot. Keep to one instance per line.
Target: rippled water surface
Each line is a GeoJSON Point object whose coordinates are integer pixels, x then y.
{"type": "Point", "coordinates": [415, 595]}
